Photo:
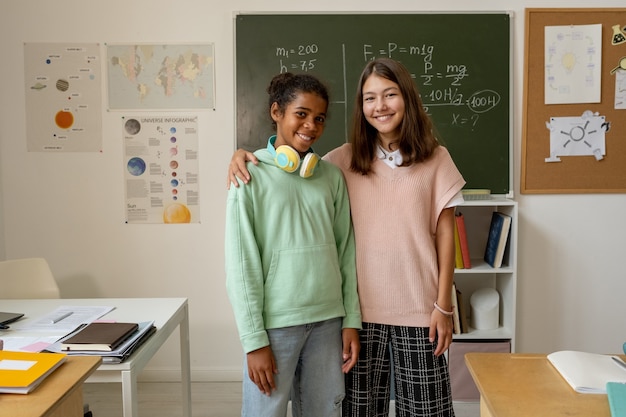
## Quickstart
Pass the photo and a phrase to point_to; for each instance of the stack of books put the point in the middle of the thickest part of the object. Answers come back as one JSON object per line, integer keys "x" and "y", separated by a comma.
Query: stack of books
{"x": 495, "y": 248}
{"x": 112, "y": 341}
{"x": 99, "y": 336}
{"x": 22, "y": 372}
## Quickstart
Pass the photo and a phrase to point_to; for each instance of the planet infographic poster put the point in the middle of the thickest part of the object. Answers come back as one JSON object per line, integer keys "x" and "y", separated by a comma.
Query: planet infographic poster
{"x": 63, "y": 85}
{"x": 161, "y": 169}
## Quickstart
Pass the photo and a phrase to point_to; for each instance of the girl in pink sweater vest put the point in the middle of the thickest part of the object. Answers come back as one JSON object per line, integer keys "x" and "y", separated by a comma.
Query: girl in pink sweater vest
{"x": 403, "y": 186}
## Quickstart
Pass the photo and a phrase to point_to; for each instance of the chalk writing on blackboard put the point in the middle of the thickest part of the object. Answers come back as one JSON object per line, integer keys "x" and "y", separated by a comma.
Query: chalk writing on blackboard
{"x": 440, "y": 84}
{"x": 462, "y": 73}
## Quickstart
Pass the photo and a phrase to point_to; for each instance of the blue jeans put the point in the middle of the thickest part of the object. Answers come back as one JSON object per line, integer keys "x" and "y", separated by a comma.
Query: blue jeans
{"x": 309, "y": 362}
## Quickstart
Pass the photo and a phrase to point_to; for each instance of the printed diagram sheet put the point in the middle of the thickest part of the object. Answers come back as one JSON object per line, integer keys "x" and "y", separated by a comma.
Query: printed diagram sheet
{"x": 620, "y": 84}
{"x": 577, "y": 136}
{"x": 63, "y": 97}
{"x": 573, "y": 61}
{"x": 161, "y": 169}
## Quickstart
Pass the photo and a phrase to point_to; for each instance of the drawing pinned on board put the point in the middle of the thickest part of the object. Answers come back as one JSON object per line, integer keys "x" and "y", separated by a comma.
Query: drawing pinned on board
{"x": 621, "y": 64}
{"x": 618, "y": 36}
{"x": 573, "y": 63}
{"x": 577, "y": 136}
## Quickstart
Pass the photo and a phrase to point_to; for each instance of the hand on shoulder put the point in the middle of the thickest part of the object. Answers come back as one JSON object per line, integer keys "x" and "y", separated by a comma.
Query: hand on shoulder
{"x": 237, "y": 167}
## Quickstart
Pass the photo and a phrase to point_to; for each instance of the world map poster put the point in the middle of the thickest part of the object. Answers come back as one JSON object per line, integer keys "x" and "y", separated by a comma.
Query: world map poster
{"x": 160, "y": 77}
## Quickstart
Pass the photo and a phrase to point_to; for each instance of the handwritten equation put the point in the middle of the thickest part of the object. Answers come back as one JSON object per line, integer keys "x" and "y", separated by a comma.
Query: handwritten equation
{"x": 440, "y": 84}
{"x": 463, "y": 75}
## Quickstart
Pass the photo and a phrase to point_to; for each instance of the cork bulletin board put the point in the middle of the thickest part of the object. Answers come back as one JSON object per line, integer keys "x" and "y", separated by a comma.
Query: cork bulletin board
{"x": 574, "y": 147}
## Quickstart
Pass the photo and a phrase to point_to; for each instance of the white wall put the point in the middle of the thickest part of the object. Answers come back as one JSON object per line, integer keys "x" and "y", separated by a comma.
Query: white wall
{"x": 68, "y": 207}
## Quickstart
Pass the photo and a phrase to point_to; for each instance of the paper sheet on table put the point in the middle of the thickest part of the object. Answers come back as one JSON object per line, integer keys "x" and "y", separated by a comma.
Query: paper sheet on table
{"x": 64, "y": 319}
{"x": 28, "y": 344}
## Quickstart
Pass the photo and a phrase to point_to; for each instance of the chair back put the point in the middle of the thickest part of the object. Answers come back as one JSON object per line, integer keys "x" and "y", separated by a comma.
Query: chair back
{"x": 27, "y": 278}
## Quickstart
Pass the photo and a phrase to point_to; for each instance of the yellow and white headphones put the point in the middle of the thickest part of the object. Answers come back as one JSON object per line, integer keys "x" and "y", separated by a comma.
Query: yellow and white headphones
{"x": 288, "y": 159}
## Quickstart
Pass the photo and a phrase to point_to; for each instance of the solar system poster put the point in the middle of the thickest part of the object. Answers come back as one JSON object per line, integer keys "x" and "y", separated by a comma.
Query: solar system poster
{"x": 161, "y": 169}
{"x": 63, "y": 97}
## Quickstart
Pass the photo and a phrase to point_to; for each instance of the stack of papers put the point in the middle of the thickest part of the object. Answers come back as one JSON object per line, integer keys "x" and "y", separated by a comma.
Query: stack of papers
{"x": 588, "y": 372}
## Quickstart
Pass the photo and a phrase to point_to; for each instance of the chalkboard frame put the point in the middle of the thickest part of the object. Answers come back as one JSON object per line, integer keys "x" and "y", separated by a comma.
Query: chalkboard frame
{"x": 496, "y": 168}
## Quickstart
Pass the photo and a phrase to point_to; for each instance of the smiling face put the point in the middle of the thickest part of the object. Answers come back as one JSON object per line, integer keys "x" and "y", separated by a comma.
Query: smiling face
{"x": 383, "y": 107}
{"x": 301, "y": 123}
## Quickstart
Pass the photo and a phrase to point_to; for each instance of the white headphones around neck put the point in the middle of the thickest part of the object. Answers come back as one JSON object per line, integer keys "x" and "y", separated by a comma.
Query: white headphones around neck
{"x": 288, "y": 159}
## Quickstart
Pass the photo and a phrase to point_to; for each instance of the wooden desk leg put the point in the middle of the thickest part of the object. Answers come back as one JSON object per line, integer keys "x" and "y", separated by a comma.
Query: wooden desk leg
{"x": 72, "y": 405}
{"x": 185, "y": 363}
{"x": 129, "y": 394}
{"x": 484, "y": 411}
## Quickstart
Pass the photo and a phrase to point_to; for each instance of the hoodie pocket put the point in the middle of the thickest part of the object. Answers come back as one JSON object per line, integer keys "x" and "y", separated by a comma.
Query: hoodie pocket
{"x": 303, "y": 277}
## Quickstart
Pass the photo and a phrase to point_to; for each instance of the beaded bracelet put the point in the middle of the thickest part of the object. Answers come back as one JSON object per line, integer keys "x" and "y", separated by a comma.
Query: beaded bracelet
{"x": 442, "y": 311}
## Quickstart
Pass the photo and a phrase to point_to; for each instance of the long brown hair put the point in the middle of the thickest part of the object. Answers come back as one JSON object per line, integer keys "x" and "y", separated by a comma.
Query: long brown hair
{"x": 417, "y": 139}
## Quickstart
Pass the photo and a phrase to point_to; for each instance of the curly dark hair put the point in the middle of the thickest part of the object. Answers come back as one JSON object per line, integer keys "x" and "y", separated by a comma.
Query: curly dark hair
{"x": 284, "y": 88}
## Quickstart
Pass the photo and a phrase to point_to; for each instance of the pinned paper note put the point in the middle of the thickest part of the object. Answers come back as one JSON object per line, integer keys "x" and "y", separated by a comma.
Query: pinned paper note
{"x": 620, "y": 83}
{"x": 577, "y": 136}
{"x": 573, "y": 60}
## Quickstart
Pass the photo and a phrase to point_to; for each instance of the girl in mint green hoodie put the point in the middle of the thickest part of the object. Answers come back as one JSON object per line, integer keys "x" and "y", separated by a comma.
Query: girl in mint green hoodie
{"x": 290, "y": 264}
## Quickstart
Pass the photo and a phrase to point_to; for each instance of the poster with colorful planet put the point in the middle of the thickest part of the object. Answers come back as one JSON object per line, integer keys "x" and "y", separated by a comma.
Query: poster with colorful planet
{"x": 161, "y": 169}
{"x": 63, "y": 97}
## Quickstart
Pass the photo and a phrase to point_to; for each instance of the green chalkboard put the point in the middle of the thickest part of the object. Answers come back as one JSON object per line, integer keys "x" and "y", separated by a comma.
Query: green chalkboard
{"x": 460, "y": 63}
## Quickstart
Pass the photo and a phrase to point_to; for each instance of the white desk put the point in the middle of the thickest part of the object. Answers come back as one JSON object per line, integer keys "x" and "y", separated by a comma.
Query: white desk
{"x": 167, "y": 313}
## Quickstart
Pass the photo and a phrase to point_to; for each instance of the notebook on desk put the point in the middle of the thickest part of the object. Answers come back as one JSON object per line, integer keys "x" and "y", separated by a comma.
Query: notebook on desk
{"x": 99, "y": 336}
{"x": 588, "y": 372}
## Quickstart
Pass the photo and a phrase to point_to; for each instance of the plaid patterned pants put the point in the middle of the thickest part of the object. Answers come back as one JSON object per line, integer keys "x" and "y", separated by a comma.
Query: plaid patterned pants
{"x": 421, "y": 380}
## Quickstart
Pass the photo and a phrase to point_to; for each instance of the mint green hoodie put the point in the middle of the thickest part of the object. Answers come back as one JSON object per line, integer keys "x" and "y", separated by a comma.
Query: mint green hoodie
{"x": 290, "y": 256}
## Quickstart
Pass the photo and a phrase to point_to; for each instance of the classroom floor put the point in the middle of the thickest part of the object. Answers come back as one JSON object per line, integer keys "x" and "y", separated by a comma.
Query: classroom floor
{"x": 209, "y": 399}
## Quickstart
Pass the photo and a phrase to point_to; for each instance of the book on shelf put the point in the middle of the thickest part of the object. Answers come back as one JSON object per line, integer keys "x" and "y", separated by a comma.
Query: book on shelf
{"x": 460, "y": 225}
{"x": 616, "y": 393}
{"x": 586, "y": 372}
{"x": 99, "y": 336}
{"x": 21, "y": 372}
{"x": 497, "y": 239}
{"x": 462, "y": 311}
{"x": 458, "y": 257}
{"x": 456, "y": 320}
